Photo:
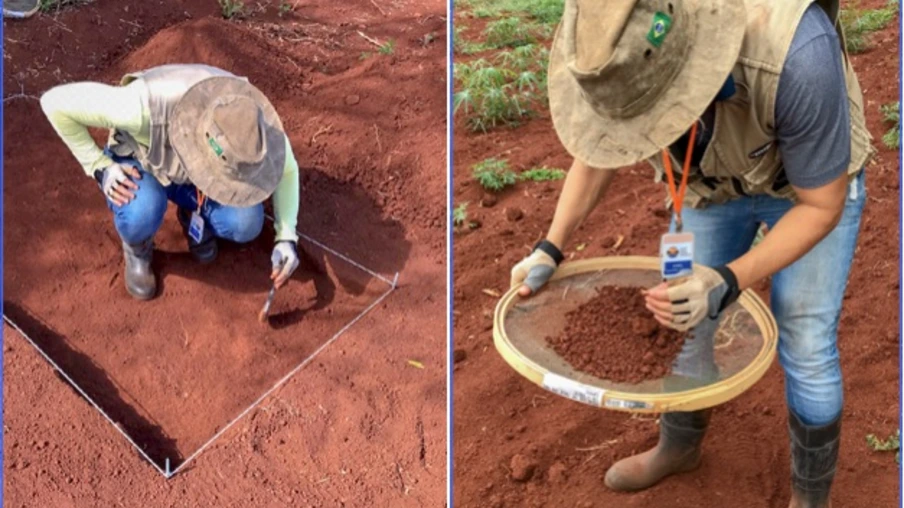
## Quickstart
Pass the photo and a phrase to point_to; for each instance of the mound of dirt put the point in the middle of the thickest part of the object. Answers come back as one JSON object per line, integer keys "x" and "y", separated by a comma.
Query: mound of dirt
{"x": 613, "y": 336}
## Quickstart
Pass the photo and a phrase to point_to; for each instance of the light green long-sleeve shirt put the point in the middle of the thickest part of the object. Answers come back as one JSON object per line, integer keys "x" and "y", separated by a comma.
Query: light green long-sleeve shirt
{"x": 74, "y": 107}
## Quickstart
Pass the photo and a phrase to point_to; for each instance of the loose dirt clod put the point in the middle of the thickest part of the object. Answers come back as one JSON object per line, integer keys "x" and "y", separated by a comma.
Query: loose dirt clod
{"x": 513, "y": 214}
{"x": 459, "y": 355}
{"x": 613, "y": 336}
{"x": 523, "y": 468}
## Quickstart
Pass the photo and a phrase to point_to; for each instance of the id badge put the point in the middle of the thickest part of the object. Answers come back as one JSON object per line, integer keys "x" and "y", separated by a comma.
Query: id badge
{"x": 677, "y": 254}
{"x": 196, "y": 227}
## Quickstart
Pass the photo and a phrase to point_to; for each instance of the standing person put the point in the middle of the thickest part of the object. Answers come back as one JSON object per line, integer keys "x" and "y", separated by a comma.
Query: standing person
{"x": 758, "y": 100}
{"x": 198, "y": 136}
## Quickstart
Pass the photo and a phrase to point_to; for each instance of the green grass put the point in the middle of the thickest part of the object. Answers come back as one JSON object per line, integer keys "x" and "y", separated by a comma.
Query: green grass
{"x": 285, "y": 8}
{"x": 502, "y": 92}
{"x": 509, "y": 32}
{"x": 460, "y": 215}
{"x": 52, "y": 5}
{"x": 541, "y": 174}
{"x": 231, "y": 8}
{"x": 387, "y": 48}
{"x": 860, "y": 23}
{"x": 543, "y": 11}
{"x": 891, "y": 113}
{"x": 494, "y": 175}
{"x": 892, "y": 444}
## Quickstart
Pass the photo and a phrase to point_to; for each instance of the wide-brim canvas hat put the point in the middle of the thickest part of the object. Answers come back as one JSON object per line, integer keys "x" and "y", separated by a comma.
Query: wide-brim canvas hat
{"x": 628, "y": 77}
{"x": 20, "y": 8}
{"x": 230, "y": 140}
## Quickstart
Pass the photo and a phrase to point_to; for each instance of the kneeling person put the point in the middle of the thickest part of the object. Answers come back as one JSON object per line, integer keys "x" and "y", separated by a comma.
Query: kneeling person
{"x": 198, "y": 136}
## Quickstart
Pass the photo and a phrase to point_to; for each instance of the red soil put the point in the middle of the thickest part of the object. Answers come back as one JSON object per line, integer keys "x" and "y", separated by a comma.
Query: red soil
{"x": 500, "y": 415}
{"x": 358, "y": 425}
{"x": 614, "y": 337}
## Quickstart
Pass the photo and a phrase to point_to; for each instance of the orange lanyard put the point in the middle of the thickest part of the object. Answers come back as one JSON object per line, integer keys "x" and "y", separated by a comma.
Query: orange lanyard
{"x": 200, "y": 199}
{"x": 678, "y": 194}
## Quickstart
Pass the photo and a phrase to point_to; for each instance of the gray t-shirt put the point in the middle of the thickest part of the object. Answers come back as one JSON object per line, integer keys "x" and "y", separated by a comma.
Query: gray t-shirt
{"x": 812, "y": 113}
{"x": 812, "y": 116}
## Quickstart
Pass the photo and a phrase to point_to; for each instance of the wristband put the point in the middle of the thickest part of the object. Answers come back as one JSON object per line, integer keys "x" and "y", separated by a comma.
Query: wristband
{"x": 732, "y": 282}
{"x": 550, "y": 249}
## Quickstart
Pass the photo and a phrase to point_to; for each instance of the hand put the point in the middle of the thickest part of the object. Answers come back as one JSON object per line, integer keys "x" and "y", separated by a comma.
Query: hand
{"x": 705, "y": 294}
{"x": 117, "y": 183}
{"x": 533, "y": 272}
{"x": 284, "y": 260}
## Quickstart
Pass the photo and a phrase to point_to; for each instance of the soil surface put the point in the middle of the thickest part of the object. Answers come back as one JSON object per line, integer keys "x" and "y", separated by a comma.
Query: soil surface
{"x": 358, "y": 425}
{"x": 614, "y": 337}
{"x": 500, "y": 415}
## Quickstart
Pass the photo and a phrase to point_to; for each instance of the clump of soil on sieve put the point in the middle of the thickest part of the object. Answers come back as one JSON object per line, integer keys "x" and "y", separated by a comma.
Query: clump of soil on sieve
{"x": 614, "y": 337}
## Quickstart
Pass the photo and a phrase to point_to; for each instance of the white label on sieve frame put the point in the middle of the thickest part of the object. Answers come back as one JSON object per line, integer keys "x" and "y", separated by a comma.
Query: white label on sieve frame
{"x": 573, "y": 390}
{"x": 627, "y": 404}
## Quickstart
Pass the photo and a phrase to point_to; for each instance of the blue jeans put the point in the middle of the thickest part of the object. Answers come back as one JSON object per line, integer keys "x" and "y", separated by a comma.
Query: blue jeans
{"x": 806, "y": 296}
{"x": 140, "y": 219}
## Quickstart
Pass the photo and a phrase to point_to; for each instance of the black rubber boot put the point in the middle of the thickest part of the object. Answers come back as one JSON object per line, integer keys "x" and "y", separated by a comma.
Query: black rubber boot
{"x": 814, "y": 453}
{"x": 678, "y": 451}
{"x": 139, "y": 277}
{"x": 204, "y": 251}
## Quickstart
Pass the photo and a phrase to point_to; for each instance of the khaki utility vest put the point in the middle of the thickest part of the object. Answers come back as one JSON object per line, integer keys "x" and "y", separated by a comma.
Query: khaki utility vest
{"x": 743, "y": 156}
{"x": 166, "y": 85}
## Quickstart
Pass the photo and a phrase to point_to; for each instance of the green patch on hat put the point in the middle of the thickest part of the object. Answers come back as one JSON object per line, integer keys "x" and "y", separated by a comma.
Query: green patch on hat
{"x": 661, "y": 24}
{"x": 217, "y": 149}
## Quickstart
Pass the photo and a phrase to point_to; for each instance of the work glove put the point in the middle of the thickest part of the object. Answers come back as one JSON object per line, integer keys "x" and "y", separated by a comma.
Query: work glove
{"x": 705, "y": 294}
{"x": 284, "y": 260}
{"x": 535, "y": 270}
{"x": 117, "y": 182}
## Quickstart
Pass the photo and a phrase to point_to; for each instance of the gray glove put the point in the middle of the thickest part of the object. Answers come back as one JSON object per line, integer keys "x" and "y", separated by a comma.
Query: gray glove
{"x": 535, "y": 270}
{"x": 117, "y": 182}
{"x": 284, "y": 260}
{"x": 705, "y": 294}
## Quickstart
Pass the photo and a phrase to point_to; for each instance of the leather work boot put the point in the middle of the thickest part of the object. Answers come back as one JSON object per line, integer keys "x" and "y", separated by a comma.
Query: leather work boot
{"x": 814, "y": 452}
{"x": 204, "y": 251}
{"x": 139, "y": 277}
{"x": 678, "y": 451}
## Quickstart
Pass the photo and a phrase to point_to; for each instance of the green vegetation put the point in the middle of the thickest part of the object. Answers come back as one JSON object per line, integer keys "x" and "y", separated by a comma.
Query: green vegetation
{"x": 232, "y": 8}
{"x": 285, "y": 8}
{"x": 51, "y": 5}
{"x": 541, "y": 174}
{"x": 460, "y": 215}
{"x": 543, "y": 11}
{"x": 509, "y": 32}
{"x": 387, "y": 48}
{"x": 494, "y": 175}
{"x": 891, "y": 113}
{"x": 493, "y": 95}
{"x": 858, "y": 24}
{"x": 892, "y": 444}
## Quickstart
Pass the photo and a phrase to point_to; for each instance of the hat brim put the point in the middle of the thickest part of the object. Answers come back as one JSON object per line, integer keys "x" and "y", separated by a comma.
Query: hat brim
{"x": 602, "y": 141}
{"x": 200, "y": 163}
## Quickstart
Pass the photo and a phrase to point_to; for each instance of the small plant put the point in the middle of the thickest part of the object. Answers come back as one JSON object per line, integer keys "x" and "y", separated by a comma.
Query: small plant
{"x": 494, "y": 175}
{"x": 364, "y": 55}
{"x": 387, "y": 48}
{"x": 891, "y": 113}
{"x": 892, "y": 444}
{"x": 232, "y": 8}
{"x": 858, "y": 24}
{"x": 460, "y": 215}
{"x": 493, "y": 95}
{"x": 541, "y": 174}
{"x": 50, "y": 5}
{"x": 509, "y": 32}
{"x": 285, "y": 8}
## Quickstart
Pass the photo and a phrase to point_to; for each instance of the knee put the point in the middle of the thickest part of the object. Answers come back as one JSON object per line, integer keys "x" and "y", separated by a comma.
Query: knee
{"x": 244, "y": 224}
{"x": 140, "y": 218}
{"x": 810, "y": 358}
